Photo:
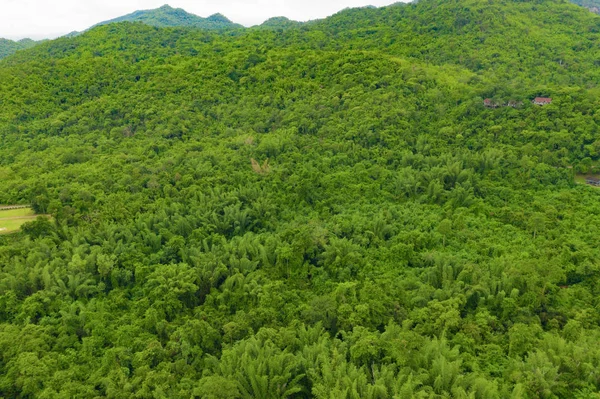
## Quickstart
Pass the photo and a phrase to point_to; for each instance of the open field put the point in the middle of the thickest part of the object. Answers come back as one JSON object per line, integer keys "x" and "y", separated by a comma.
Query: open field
{"x": 12, "y": 220}
{"x": 16, "y": 213}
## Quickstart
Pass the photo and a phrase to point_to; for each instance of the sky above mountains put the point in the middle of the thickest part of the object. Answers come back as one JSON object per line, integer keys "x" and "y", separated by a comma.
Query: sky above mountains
{"x": 40, "y": 19}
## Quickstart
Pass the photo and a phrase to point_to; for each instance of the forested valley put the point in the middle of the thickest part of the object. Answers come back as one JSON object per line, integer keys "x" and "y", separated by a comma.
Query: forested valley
{"x": 322, "y": 210}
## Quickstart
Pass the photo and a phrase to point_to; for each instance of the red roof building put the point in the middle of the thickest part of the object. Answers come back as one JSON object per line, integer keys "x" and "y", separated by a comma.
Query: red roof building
{"x": 542, "y": 101}
{"x": 488, "y": 102}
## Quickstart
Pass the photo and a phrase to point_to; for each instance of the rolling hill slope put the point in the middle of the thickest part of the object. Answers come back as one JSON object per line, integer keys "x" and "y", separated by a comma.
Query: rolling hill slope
{"x": 561, "y": 39}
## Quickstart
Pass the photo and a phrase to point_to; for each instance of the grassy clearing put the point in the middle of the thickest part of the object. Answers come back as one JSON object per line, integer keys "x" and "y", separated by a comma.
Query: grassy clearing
{"x": 12, "y": 220}
{"x": 16, "y": 213}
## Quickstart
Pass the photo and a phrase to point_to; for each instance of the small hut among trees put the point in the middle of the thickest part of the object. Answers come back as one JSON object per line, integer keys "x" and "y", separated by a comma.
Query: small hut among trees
{"x": 542, "y": 100}
{"x": 592, "y": 181}
{"x": 489, "y": 103}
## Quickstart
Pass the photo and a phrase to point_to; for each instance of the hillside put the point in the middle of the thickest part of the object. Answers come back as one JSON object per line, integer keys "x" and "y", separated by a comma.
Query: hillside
{"x": 561, "y": 46}
{"x": 167, "y": 16}
{"x": 8, "y": 47}
{"x": 326, "y": 210}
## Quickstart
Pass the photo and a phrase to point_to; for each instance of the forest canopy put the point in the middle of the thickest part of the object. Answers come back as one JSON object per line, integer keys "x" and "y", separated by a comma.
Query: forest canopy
{"x": 324, "y": 210}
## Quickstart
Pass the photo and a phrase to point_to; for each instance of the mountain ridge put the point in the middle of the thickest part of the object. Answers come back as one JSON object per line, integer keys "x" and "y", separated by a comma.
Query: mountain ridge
{"x": 164, "y": 16}
{"x": 167, "y": 16}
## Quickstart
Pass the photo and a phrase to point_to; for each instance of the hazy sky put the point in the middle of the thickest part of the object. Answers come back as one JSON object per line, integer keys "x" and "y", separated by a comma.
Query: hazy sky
{"x": 48, "y": 19}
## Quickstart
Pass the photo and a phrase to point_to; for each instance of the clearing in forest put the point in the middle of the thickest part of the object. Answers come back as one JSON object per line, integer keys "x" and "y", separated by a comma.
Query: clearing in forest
{"x": 11, "y": 220}
{"x": 589, "y": 179}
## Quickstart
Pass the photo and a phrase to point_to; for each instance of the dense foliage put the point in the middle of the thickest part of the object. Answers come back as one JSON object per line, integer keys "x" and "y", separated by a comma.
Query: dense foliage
{"x": 326, "y": 210}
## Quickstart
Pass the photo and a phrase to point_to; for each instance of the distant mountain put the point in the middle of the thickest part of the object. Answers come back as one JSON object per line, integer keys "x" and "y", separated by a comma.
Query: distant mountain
{"x": 279, "y": 22}
{"x": 592, "y": 5}
{"x": 8, "y": 47}
{"x": 167, "y": 16}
